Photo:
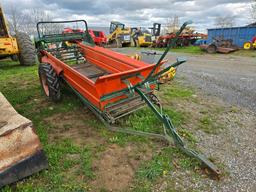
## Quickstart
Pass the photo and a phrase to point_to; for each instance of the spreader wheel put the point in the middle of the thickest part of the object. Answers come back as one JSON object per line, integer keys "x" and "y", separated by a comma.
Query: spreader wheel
{"x": 247, "y": 45}
{"x": 49, "y": 81}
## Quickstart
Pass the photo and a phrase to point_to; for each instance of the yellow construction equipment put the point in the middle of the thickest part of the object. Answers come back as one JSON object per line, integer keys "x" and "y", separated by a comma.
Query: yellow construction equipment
{"x": 119, "y": 35}
{"x": 19, "y": 47}
{"x": 141, "y": 37}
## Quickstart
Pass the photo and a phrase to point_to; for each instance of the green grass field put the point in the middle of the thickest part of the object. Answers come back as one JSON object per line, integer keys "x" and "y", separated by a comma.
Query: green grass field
{"x": 196, "y": 50}
{"x": 75, "y": 141}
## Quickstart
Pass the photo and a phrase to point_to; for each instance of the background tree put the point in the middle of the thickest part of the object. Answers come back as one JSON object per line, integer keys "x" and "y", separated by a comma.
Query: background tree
{"x": 253, "y": 10}
{"x": 26, "y": 20}
{"x": 15, "y": 19}
{"x": 224, "y": 21}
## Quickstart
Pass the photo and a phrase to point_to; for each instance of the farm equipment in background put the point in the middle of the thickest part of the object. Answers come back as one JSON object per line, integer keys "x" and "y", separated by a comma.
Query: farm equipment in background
{"x": 120, "y": 36}
{"x": 110, "y": 84}
{"x": 19, "y": 47}
{"x": 141, "y": 37}
{"x": 220, "y": 45}
{"x": 98, "y": 37}
{"x": 21, "y": 153}
{"x": 250, "y": 44}
{"x": 155, "y": 30}
{"x": 184, "y": 39}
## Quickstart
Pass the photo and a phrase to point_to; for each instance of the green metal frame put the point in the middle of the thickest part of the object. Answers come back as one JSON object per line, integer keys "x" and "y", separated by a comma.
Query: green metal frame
{"x": 43, "y": 40}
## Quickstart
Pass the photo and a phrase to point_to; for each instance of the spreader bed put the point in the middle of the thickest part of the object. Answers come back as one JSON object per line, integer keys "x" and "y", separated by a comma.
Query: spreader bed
{"x": 90, "y": 71}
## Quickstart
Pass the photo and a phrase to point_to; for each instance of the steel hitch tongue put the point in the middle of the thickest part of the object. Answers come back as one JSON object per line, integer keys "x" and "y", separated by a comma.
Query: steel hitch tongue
{"x": 171, "y": 135}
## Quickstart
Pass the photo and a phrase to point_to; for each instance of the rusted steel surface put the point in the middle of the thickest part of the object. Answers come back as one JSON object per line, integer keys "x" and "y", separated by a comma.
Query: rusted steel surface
{"x": 18, "y": 143}
{"x": 90, "y": 71}
{"x": 203, "y": 46}
{"x": 9, "y": 118}
{"x": 225, "y": 50}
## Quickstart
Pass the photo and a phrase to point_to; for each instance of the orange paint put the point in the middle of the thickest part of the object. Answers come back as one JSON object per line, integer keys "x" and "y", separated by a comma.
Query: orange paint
{"x": 118, "y": 65}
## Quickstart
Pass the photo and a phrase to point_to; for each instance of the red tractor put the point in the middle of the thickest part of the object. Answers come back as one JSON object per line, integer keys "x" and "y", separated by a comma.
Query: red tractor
{"x": 98, "y": 37}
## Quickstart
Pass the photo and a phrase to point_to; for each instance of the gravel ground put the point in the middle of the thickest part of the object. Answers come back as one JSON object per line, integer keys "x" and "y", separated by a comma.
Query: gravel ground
{"x": 230, "y": 78}
{"x": 223, "y": 80}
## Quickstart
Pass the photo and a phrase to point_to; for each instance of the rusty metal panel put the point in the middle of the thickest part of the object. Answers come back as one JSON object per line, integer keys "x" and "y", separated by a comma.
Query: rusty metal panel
{"x": 225, "y": 50}
{"x": 19, "y": 144}
{"x": 9, "y": 118}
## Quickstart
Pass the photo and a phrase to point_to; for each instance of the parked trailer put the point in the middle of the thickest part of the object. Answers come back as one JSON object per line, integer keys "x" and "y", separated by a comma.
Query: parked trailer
{"x": 184, "y": 39}
{"x": 238, "y": 35}
{"x": 110, "y": 84}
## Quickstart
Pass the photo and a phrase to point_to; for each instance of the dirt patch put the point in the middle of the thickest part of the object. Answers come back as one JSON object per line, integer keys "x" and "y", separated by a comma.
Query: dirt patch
{"x": 75, "y": 125}
{"x": 116, "y": 166}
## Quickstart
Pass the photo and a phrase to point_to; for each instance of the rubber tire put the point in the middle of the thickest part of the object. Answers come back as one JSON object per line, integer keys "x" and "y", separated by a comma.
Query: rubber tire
{"x": 27, "y": 52}
{"x": 52, "y": 80}
{"x": 211, "y": 49}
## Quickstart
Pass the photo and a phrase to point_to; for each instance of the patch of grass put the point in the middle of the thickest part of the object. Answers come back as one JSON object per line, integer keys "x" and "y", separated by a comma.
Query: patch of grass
{"x": 57, "y": 177}
{"x": 188, "y": 135}
{"x": 189, "y": 49}
{"x": 86, "y": 167}
{"x": 245, "y": 53}
{"x": 143, "y": 120}
{"x": 175, "y": 90}
{"x": 21, "y": 87}
{"x": 162, "y": 164}
{"x": 209, "y": 125}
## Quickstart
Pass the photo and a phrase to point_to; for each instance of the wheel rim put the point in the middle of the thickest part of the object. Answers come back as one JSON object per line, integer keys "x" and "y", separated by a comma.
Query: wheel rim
{"x": 247, "y": 46}
{"x": 44, "y": 84}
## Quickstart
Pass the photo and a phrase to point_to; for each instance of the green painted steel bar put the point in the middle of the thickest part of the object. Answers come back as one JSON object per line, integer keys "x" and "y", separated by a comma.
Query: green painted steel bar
{"x": 156, "y": 76}
{"x": 176, "y": 138}
{"x": 170, "y": 44}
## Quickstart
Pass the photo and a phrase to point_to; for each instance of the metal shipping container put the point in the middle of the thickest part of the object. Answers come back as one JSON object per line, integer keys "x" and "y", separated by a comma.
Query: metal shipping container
{"x": 239, "y": 35}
